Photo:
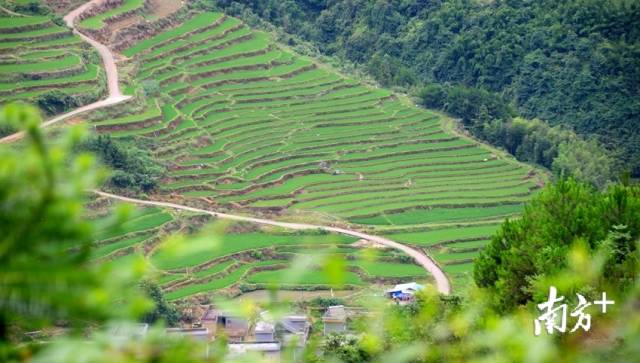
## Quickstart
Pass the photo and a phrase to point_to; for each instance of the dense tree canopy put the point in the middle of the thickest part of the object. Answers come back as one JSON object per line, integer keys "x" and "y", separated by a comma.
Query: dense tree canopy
{"x": 526, "y": 250}
{"x": 574, "y": 63}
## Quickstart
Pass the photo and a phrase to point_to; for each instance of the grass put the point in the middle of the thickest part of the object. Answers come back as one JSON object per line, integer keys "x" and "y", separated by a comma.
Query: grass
{"x": 219, "y": 283}
{"x": 98, "y": 21}
{"x": 66, "y": 62}
{"x": 38, "y": 33}
{"x": 214, "y": 269}
{"x": 390, "y": 269}
{"x": 90, "y": 75}
{"x": 459, "y": 256}
{"x": 106, "y": 249}
{"x": 282, "y": 277}
{"x": 458, "y": 268}
{"x": 165, "y": 279}
{"x": 83, "y": 89}
{"x": 18, "y": 22}
{"x": 206, "y": 249}
{"x": 432, "y": 237}
{"x": 198, "y": 21}
{"x": 420, "y": 216}
{"x": 468, "y": 244}
{"x": 148, "y": 219}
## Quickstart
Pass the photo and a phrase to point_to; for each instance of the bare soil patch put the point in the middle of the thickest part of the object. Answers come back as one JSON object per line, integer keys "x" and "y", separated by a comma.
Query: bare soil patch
{"x": 367, "y": 244}
{"x": 63, "y": 6}
{"x": 124, "y": 23}
{"x": 163, "y": 8}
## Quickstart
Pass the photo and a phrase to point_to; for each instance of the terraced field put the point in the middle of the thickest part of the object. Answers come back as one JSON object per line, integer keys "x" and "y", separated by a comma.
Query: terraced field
{"x": 38, "y": 56}
{"x": 243, "y": 258}
{"x": 245, "y": 124}
{"x": 98, "y": 21}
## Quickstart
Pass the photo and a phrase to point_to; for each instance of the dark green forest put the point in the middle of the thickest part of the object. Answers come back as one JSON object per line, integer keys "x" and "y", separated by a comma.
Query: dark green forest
{"x": 525, "y": 252}
{"x": 572, "y": 63}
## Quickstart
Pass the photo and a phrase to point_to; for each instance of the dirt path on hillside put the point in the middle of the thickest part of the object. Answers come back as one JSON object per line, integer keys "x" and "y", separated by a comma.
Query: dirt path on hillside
{"x": 107, "y": 57}
{"x": 442, "y": 283}
{"x": 114, "y": 94}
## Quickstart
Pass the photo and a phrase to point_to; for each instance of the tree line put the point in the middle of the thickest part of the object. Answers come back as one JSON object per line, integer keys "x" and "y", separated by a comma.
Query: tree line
{"x": 487, "y": 117}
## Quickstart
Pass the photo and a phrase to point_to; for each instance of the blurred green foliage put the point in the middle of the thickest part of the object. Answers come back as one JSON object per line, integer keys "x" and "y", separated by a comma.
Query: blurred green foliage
{"x": 45, "y": 273}
{"x": 48, "y": 284}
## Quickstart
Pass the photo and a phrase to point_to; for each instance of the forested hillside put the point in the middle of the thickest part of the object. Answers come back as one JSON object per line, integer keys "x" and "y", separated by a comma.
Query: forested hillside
{"x": 574, "y": 63}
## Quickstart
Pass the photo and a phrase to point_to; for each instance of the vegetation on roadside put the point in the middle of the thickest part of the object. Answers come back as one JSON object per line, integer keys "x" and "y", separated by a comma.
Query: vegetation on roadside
{"x": 29, "y": 7}
{"x": 163, "y": 311}
{"x": 133, "y": 168}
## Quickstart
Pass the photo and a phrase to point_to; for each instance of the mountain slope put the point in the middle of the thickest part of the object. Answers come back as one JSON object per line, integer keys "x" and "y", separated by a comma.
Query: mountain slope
{"x": 244, "y": 124}
{"x": 572, "y": 63}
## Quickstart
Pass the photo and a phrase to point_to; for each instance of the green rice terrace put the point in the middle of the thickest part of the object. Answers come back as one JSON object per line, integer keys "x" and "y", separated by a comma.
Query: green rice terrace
{"x": 242, "y": 259}
{"x": 38, "y": 55}
{"x": 247, "y": 126}
{"x": 244, "y": 124}
{"x": 98, "y": 21}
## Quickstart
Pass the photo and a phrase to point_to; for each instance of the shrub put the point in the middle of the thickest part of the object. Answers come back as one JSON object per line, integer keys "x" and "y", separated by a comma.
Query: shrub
{"x": 55, "y": 102}
{"x": 133, "y": 167}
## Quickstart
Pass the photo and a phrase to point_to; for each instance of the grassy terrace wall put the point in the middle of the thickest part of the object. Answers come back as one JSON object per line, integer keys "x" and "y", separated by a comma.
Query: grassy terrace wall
{"x": 246, "y": 125}
{"x": 97, "y": 21}
{"x": 244, "y": 257}
{"x": 38, "y": 56}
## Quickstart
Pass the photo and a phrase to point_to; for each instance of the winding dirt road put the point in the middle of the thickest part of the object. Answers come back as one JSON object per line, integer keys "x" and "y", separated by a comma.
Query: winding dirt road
{"x": 115, "y": 97}
{"x": 442, "y": 282}
{"x": 114, "y": 94}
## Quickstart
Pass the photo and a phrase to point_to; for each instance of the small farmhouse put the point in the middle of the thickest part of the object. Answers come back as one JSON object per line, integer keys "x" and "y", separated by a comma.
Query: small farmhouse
{"x": 404, "y": 292}
{"x": 335, "y": 320}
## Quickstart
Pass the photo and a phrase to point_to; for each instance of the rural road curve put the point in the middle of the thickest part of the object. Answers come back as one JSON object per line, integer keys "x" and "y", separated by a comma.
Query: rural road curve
{"x": 114, "y": 94}
{"x": 442, "y": 282}
{"x": 115, "y": 97}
